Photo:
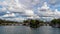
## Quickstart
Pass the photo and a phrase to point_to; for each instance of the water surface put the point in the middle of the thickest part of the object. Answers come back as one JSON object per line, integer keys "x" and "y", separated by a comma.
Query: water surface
{"x": 28, "y": 30}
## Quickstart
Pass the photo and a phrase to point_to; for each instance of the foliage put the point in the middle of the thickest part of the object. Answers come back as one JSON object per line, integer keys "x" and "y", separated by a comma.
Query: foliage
{"x": 6, "y": 21}
{"x": 55, "y": 21}
{"x": 33, "y": 23}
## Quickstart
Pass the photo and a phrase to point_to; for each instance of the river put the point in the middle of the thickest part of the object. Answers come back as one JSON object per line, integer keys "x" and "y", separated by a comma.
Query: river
{"x": 28, "y": 30}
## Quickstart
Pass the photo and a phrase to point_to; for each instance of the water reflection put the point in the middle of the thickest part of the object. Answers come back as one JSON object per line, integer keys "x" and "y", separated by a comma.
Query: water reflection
{"x": 28, "y": 30}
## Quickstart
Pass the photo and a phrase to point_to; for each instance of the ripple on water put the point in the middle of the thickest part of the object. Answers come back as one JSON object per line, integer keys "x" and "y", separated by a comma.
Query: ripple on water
{"x": 28, "y": 30}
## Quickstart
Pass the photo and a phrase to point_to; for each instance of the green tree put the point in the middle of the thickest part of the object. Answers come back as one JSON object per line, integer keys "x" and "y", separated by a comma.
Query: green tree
{"x": 35, "y": 23}
{"x": 55, "y": 21}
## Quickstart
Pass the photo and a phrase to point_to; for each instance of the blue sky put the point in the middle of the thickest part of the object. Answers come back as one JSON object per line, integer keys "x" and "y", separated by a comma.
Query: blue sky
{"x": 29, "y": 9}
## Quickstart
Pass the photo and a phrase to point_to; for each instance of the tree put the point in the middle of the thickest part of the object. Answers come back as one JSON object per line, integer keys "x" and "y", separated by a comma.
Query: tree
{"x": 35, "y": 23}
{"x": 55, "y": 21}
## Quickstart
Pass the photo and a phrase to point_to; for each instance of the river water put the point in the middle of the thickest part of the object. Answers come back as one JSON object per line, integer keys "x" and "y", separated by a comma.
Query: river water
{"x": 28, "y": 30}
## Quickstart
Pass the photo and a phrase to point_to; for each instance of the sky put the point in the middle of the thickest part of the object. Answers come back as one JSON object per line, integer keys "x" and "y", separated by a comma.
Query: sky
{"x": 18, "y": 10}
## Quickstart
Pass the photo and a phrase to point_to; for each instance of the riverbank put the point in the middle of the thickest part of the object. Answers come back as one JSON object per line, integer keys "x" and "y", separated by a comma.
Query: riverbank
{"x": 11, "y": 24}
{"x": 30, "y": 22}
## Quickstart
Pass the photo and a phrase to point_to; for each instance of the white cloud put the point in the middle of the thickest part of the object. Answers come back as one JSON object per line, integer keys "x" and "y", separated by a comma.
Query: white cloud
{"x": 15, "y": 19}
{"x": 3, "y": 9}
{"x": 4, "y": 3}
{"x": 47, "y": 13}
{"x": 29, "y": 12}
{"x": 9, "y": 15}
{"x": 26, "y": 8}
{"x": 54, "y": 3}
{"x": 57, "y": 13}
{"x": 29, "y": 3}
{"x": 45, "y": 6}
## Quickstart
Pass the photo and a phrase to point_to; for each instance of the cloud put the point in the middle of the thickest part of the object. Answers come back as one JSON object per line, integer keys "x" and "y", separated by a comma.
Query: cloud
{"x": 57, "y": 13}
{"x": 29, "y": 12}
{"x": 45, "y": 13}
{"x": 54, "y": 3}
{"x": 9, "y": 15}
{"x": 29, "y": 4}
{"x": 4, "y": 3}
{"x": 15, "y": 19}
{"x": 26, "y": 9}
{"x": 3, "y": 9}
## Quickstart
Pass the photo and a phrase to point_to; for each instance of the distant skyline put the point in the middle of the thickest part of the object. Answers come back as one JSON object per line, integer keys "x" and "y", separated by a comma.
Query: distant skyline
{"x": 30, "y": 9}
